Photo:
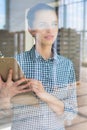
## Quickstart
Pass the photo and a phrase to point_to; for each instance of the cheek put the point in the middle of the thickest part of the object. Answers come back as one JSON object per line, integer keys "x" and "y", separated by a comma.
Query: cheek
{"x": 40, "y": 34}
{"x": 55, "y": 30}
{"x": 56, "y": 33}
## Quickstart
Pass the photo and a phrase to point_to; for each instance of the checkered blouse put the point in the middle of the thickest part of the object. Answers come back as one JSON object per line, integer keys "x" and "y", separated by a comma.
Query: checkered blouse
{"x": 58, "y": 78}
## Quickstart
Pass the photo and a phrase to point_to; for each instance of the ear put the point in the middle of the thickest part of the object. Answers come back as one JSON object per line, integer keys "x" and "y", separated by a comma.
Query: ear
{"x": 32, "y": 31}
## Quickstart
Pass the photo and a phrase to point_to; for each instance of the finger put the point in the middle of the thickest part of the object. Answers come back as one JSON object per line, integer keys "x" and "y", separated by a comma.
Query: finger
{"x": 25, "y": 90}
{"x": 34, "y": 80}
{"x": 33, "y": 85}
{"x": 21, "y": 81}
{"x": 34, "y": 89}
{"x": 36, "y": 84}
{"x": 26, "y": 86}
{"x": 10, "y": 75}
{"x": 37, "y": 87}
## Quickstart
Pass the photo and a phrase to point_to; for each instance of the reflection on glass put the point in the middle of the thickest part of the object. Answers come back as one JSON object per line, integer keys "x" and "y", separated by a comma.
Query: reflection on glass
{"x": 75, "y": 16}
{"x": 86, "y": 15}
{"x": 71, "y": 1}
{"x": 2, "y": 14}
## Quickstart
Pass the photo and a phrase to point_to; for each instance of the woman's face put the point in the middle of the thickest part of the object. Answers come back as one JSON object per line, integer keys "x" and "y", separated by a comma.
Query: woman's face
{"x": 46, "y": 27}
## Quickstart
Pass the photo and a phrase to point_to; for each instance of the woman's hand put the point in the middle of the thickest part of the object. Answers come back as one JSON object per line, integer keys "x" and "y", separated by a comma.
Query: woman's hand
{"x": 54, "y": 103}
{"x": 37, "y": 87}
{"x": 10, "y": 88}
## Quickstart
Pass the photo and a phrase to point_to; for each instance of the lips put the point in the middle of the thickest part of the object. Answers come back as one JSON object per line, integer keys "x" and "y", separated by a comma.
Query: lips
{"x": 49, "y": 37}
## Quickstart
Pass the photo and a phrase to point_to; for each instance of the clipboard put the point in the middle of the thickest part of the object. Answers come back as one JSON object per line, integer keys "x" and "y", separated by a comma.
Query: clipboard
{"x": 7, "y": 63}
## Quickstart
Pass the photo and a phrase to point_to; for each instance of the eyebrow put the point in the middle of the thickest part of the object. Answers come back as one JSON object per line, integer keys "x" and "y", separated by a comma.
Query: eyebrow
{"x": 46, "y": 22}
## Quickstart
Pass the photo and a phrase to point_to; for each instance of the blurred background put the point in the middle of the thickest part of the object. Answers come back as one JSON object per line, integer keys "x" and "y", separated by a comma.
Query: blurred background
{"x": 71, "y": 42}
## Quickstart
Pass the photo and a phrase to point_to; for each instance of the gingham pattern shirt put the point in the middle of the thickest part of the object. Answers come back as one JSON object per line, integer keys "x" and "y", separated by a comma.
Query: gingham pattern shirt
{"x": 58, "y": 78}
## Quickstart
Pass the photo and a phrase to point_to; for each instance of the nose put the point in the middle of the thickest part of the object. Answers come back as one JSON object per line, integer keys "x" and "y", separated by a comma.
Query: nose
{"x": 49, "y": 28}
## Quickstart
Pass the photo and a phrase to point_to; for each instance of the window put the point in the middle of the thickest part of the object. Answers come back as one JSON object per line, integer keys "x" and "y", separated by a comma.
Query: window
{"x": 73, "y": 15}
{"x": 61, "y": 15}
{"x": 74, "y": 18}
{"x": 86, "y": 15}
{"x": 71, "y": 1}
{"x": 2, "y": 14}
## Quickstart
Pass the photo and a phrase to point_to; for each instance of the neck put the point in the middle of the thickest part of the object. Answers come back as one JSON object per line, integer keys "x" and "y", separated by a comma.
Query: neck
{"x": 44, "y": 51}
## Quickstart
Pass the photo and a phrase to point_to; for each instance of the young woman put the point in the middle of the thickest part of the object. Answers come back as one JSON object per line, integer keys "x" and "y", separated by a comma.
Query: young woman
{"x": 50, "y": 76}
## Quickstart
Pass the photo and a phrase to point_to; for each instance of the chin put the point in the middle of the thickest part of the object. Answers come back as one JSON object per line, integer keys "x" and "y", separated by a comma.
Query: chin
{"x": 48, "y": 43}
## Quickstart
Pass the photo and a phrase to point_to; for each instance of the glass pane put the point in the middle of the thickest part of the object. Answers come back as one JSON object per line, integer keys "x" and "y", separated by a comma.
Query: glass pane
{"x": 61, "y": 15}
{"x": 86, "y": 15}
{"x": 71, "y": 1}
{"x": 74, "y": 16}
{"x": 2, "y": 14}
{"x": 85, "y": 48}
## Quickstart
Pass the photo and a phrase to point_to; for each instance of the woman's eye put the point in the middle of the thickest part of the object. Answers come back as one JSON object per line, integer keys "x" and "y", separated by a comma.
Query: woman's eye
{"x": 42, "y": 25}
{"x": 46, "y": 26}
{"x": 54, "y": 25}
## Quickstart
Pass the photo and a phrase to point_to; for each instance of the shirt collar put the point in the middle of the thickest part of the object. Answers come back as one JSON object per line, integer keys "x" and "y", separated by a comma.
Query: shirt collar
{"x": 36, "y": 55}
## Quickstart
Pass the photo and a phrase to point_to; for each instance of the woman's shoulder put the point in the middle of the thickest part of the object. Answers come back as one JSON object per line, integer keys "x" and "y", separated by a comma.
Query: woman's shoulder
{"x": 64, "y": 60}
